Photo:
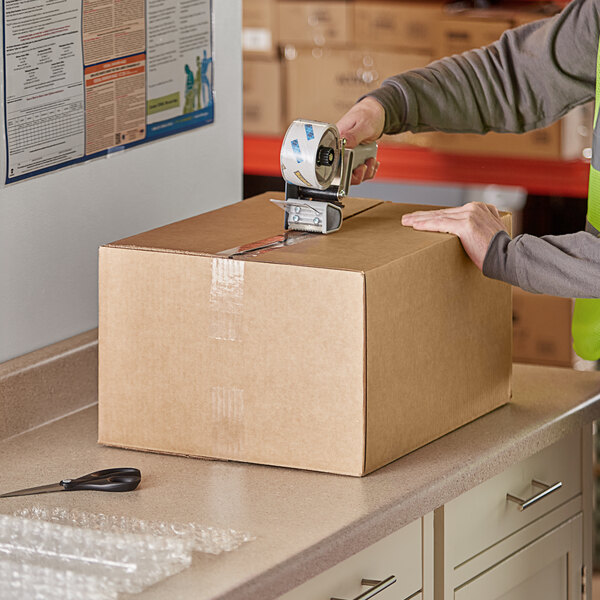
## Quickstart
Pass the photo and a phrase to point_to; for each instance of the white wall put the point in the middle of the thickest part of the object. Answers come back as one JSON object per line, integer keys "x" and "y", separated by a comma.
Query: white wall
{"x": 51, "y": 226}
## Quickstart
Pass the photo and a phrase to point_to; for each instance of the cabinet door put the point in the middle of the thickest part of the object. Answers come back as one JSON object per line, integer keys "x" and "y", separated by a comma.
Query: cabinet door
{"x": 548, "y": 569}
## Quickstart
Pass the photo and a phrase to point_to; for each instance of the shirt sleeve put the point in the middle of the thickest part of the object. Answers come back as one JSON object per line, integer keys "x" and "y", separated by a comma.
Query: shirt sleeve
{"x": 529, "y": 78}
{"x": 560, "y": 265}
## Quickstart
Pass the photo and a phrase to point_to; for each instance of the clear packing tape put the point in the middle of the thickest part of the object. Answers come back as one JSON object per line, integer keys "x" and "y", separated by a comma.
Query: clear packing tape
{"x": 56, "y": 553}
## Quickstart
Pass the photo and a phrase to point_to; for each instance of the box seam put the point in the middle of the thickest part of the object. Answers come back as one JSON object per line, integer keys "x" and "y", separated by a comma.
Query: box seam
{"x": 212, "y": 254}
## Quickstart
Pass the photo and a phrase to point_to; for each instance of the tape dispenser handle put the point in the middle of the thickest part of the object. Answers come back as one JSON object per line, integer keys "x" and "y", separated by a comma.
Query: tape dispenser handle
{"x": 362, "y": 153}
{"x": 354, "y": 157}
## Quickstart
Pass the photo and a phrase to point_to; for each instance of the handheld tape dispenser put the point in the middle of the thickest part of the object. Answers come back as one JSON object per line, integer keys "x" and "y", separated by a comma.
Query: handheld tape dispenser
{"x": 317, "y": 169}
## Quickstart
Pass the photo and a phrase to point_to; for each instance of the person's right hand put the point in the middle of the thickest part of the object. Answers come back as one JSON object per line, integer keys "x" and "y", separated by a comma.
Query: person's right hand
{"x": 363, "y": 123}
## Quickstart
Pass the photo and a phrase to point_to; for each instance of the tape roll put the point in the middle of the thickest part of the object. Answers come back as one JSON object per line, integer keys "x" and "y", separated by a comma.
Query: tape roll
{"x": 310, "y": 154}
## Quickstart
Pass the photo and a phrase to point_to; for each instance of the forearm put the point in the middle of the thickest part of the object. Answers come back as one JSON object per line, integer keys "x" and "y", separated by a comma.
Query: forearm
{"x": 564, "y": 265}
{"x": 529, "y": 78}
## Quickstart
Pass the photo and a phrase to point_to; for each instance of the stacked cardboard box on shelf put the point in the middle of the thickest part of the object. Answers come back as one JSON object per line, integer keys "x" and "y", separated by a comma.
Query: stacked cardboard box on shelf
{"x": 341, "y": 76}
{"x": 316, "y": 23}
{"x": 327, "y": 56}
{"x": 263, "y": 96}
{"x": 259, "y": 28}
{"x": 465, "y": 30}
{"x": 314, "y": 59}
{"x": 263, "y": 82}
{"x": 542, "y": 329}
{"x": 406, "y": 26}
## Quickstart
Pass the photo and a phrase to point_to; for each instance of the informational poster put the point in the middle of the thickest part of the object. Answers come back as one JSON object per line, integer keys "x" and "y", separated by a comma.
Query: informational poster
{"x": 83, "y": 78}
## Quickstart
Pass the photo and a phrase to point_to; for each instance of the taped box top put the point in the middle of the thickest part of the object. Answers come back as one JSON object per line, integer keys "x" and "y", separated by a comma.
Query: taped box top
{"x": 337, "y": 353}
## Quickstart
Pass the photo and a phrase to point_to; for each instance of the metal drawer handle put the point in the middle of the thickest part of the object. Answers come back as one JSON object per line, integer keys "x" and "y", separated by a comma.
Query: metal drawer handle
{"x": 376, "y": 587}
{"x": 546, "y": 491}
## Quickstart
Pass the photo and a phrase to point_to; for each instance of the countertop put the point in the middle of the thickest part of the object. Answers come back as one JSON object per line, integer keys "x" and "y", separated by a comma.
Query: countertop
{"x": 304, "y": 522}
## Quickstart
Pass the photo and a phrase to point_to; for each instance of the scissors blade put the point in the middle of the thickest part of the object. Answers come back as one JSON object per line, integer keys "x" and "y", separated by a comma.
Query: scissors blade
{"x": 42, "y": 489}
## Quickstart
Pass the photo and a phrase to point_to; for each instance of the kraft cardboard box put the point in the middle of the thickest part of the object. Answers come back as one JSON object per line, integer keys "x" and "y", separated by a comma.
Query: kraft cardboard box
{"x": 260, "y": 21}
{"x": 542, "y": 329}
{"x": 341, "y": 77}
{"x": 469, "y": 29}
{"x": 408, "y": 26}
{"x": 540, "y": 143}
{"x": 570, "y": 138}
{"x": 316, "y": 22}
{"x": 336, "y": 353}
{"x": 458, "y": 35}
{"x": 263, "y": 96}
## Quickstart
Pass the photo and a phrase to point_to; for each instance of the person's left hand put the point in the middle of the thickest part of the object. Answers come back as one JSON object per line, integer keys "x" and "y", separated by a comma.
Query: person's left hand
{"x": 475, "y": 224}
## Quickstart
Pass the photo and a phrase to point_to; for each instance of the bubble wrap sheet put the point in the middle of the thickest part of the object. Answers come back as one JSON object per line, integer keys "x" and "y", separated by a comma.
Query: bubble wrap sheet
{"x": 60, "y": 554}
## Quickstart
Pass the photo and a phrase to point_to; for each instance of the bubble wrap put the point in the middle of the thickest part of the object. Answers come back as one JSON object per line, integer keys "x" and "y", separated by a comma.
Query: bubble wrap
{"x": 196, "y": 536}
{"x": 54, "y": 553}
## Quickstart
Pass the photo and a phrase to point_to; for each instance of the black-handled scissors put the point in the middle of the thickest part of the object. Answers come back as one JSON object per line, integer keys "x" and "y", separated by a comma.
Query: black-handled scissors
{"x": 125, "y": 479}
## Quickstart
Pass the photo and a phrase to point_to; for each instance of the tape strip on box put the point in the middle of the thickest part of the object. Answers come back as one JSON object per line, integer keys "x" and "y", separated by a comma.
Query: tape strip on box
{"x": 227, "y": 408}
{"x": 226, "y": 299}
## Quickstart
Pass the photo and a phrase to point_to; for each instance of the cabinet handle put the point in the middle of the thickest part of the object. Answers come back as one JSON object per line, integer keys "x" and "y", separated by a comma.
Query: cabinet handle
{"x": 546, "y": 491}
{"x": 376, "y": 587}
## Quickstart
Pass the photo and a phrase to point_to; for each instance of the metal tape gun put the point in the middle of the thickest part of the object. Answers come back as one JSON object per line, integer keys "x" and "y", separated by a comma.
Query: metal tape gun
{"x": 317, "y": 169}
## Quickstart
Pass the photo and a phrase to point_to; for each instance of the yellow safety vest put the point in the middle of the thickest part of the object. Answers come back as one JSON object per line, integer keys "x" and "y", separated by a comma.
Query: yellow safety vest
{"x": 586, "y": 316}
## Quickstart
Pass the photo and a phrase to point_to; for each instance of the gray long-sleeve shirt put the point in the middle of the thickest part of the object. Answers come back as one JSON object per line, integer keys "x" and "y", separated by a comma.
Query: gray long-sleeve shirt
{"x": 529, "y": 78}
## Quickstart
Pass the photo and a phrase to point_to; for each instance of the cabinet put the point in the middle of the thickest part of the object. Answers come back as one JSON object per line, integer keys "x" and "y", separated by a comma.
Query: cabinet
{"x": 407, "y": 555}
{"x": 483, "y": 545}
{"x": 490, "y": 546}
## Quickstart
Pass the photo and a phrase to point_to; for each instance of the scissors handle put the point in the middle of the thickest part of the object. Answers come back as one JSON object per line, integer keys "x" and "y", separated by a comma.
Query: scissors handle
{"x": 125, "y": 479}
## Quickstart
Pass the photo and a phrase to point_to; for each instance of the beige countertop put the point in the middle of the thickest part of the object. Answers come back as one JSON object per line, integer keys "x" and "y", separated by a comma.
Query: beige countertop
{"x": 304, "y": 522}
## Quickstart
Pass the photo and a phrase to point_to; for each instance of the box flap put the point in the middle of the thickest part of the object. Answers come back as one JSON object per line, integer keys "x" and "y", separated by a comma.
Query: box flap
{"x": 369, "y": 240}
{"x": 235, "y": 225}
{"x": 372, "y": 235}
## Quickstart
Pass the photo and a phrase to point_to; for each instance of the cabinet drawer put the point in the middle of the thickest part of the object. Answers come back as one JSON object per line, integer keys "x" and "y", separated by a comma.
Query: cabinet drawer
{"x": 399, "y": 554}
{"x": 483, "y": 516}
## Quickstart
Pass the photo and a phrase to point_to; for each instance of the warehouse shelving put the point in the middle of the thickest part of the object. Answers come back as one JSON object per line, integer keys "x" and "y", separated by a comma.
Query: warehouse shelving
{"x": 422, "y": 165}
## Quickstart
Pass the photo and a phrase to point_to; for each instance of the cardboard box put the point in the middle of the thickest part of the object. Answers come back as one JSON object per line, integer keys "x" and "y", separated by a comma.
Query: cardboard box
{"x": 407, "y": 26}
{"x": 566, "y": 139}
{"x": 338, "y": 353}
{"x": 570, "y": 138}
{"x": 319, "y": 23}
{"x": 263, "y": 97}
{"x": 324, "y": 83}
{"x": 541, "y": 143}
{"x": 458, "y": 35}
{"x": 467, "y": 29}
{"x": 260, "y": 21}
{"x": 542, "y": 329}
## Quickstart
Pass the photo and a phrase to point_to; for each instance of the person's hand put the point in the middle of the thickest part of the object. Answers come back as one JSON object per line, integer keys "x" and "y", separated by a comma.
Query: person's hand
{"x": 474, "y": 223}
{"x": 363, "y": 123}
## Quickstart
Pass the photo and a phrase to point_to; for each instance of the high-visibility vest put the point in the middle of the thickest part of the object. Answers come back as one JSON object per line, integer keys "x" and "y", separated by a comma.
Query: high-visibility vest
{"x": 586, "y": 316}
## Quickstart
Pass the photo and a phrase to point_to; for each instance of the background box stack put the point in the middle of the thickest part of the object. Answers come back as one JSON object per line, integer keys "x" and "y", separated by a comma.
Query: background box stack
{"x": 468, "y": 29}
{"x": 332, "y": 53}
{"x": 263, "y": 81}
{"x": 314, "y": 59}
{"x": 542, "y": 329}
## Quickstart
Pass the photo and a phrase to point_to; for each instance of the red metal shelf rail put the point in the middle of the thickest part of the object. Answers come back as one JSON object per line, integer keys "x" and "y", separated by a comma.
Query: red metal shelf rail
{"x": 420, "y": 165}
